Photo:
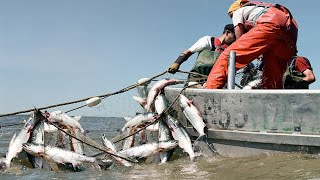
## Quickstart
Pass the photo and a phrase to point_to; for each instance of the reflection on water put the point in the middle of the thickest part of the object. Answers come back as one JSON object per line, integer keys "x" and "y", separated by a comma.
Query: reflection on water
{"x": 265, "y": 166}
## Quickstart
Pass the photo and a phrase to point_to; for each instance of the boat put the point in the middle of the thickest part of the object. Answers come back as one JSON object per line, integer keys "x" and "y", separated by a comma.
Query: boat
{"x": 241, "y": 123}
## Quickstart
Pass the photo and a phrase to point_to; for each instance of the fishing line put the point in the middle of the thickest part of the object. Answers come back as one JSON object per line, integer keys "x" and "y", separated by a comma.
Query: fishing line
{"x": 12, "y": 124}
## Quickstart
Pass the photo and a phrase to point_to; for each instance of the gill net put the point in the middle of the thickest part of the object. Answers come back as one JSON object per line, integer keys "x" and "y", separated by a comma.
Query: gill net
{"x": 105, "y": 118}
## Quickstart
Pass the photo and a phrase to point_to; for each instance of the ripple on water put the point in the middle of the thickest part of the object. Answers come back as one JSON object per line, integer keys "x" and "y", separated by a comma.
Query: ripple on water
{"x": 264, "y": 166}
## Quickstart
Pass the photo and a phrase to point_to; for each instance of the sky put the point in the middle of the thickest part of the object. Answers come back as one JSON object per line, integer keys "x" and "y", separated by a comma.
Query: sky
{"x": 63, "y": 50}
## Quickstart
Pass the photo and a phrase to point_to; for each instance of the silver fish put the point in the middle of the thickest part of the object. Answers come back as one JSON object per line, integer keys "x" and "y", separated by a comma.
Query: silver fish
{"x": 164, "y": 135}
{"x": 57, "y": 155}
{"x": 139, "y": 119}
{"x": 76, "y": 145}
{"x": 148, "y": 149}
{"x": 181, "y": 135}
{"x": 49, "y": 128}
{"x": 15, "y": 145}
{"x": 129, "y": 141}
{"x": 64, "y": 119}
{"x": 37, "y": 137}
{"x": 156, "y": 88}
{"x": 113, "y": 149}
{"x": 161, "y": 103}
{"x": 108, "y": 143}
{"x": 153, "y": 127}
{"x": 192, "y": 114}
{"x": 140, "y": 100}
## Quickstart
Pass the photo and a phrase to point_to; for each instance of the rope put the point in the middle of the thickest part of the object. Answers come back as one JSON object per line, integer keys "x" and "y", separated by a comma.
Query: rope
{"x": 193, "y": 73}
{"x": 13, "y": 124}
{"x": 204, "y": 77}
{"x": 84, "y": 99}
{"x": 60, "y": 129}
{"x": 197, "y": 76}
{"x": 76, "y": 108}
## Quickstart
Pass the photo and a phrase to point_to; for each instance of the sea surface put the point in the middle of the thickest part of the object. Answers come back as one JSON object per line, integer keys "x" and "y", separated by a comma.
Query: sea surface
{"x": 264, "y": 166}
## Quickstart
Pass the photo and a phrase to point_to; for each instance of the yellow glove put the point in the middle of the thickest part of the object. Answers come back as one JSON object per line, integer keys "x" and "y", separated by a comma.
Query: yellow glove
{"x": 173, "y": 68}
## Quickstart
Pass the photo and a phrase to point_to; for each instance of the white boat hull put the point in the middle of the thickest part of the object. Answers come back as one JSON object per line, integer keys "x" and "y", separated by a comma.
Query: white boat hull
{"x": 250, "y": 122}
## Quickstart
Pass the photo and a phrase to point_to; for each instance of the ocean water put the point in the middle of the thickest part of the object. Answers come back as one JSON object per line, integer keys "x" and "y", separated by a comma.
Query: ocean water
{"x": 264, "y": 166}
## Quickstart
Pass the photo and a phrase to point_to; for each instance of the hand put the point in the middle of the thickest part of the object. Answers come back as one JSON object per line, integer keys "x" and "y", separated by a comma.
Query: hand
{"x": 173, "y": 68}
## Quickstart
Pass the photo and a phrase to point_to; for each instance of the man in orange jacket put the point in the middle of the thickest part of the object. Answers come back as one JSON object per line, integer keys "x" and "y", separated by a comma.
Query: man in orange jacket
{"x": 260, "y": 28}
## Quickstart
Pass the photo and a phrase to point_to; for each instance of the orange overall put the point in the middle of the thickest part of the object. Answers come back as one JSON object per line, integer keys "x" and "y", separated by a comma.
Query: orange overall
{"x": 274, "y": 35}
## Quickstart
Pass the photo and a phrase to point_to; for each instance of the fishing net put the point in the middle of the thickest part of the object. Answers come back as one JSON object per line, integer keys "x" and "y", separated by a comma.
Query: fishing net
{"x": 107, "y": 117}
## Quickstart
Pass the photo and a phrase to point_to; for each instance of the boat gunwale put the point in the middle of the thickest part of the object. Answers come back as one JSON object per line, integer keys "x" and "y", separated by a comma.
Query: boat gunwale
{"x": 250, "y": 91}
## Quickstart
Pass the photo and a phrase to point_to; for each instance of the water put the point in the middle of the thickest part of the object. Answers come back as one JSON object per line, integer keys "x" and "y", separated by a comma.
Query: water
{"x": 265, "y": 166}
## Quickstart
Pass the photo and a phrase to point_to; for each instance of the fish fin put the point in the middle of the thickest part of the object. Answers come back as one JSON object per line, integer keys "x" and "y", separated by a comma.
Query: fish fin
{"x": 147, "y": 107}
{"x": 104, "y": 164}
{"x": 75, "y": 167}
{"x": 140, "y": 100}
{"x": 123, "y": 129}
{"x": 127, "y": 118}
{"x": 77, "y": 118}
{"x": 82, "y": 130}
{"x": 7, "y": 163}
{"x": 189, "y": 102}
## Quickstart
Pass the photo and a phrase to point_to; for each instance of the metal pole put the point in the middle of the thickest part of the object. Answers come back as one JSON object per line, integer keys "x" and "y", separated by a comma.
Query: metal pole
{"x": 231, "y": 70}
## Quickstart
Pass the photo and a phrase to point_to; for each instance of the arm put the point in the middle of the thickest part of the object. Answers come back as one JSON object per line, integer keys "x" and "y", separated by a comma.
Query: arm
{"x": 303, "y": 65}
{"x": 238, "y": 21}
{"x": 310, "y": 78}
{"x": 202, "y": 43}
{"x": 183, "y": 56}
{"x": 239, "y": 30}
{"x": 173, "y": 68}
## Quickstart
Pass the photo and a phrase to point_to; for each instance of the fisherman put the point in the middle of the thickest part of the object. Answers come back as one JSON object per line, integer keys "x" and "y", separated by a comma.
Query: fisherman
{"x": 209, "y": 49}
{"x": 299, "y": 74}
{"x": 260, "y": 28}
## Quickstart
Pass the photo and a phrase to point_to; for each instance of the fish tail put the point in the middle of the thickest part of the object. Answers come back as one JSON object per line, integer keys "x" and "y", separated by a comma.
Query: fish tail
{"x": 147, "y": 107}
{"x": 3, "y": 165}
{"x": 7, "y": 163}
{"x": 201, "y": 137}
{"x": 104, "y": 164}
{"x": 205, "y": 140}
